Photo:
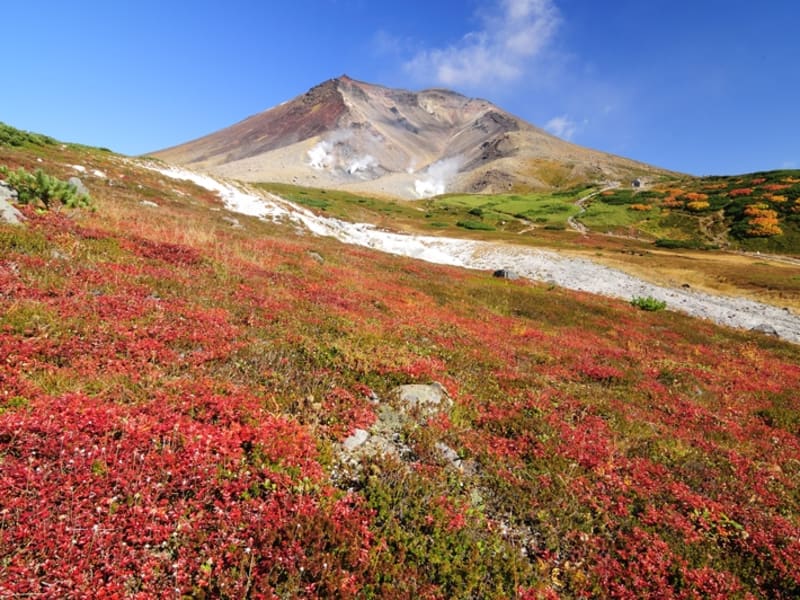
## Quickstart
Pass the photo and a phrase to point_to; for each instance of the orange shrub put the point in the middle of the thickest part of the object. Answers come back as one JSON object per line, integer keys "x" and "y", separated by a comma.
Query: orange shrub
{"x": 778, "y": 199}
{"x": 763, "y": 227}
{"x": 696, "y": 197}
{"x": 763, "y": 222}
{"x": 774, "y": 187}
{"x": 756, "y": 210}
{"x": 758, "y": 180}
{"x": 672, "y": 202}
{"x": 740, "y": 192}
{"x": 640, "y": 207}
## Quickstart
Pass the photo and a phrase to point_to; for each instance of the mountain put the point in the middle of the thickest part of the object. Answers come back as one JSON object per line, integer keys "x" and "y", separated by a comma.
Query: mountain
{"x": 347, "y": 134}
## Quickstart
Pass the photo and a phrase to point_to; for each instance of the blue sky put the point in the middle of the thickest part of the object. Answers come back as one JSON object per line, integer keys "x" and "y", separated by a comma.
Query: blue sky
{"x": 699, "y": 86}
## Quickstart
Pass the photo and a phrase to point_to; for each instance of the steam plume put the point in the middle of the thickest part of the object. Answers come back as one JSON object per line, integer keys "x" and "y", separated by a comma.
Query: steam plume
{"x": 437, "y": 177}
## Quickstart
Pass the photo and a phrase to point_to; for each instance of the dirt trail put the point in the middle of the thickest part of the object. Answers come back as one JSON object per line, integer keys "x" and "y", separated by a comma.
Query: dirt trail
{"x": 581, "y": 203}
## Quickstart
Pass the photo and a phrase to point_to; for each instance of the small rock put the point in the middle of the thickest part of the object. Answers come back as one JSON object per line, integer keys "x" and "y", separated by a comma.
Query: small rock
{"x": 505, "y": 274}
{"x": 766, "y": 329}
{"x": 149, "y": 203}
{"x": 78, "y": 186}
{"x": 358, "y": 438}
{"x": 316, "y": 256}
{"x": 449, "y": 454}
{"x": 233, "y": 222}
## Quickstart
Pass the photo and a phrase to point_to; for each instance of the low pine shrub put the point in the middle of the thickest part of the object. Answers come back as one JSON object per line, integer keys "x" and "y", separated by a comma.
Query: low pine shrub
{"x": 648, "y": 303}
{"x": 38, "y": 186}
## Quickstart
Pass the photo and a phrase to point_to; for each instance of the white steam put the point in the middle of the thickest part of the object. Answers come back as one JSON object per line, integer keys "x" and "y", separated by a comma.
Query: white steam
{"x": 437, "y": 177}
{"x": 362, "y": 163}
{"x": 340, "y": 152}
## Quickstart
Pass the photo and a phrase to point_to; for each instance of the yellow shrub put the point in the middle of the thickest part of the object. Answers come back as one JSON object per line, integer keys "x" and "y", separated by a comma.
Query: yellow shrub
{"x": 697, "y": 205}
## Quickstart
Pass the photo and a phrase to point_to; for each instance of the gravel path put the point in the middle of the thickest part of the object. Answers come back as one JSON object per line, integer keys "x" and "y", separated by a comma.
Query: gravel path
{"x": 532, "y": 263}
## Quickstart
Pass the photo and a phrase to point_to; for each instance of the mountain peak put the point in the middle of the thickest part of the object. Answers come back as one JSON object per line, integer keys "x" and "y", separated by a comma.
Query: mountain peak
{"x": 349, "y": 134}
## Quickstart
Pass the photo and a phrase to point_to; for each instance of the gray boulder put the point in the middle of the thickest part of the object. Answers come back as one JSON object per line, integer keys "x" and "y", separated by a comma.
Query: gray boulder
{"x": 9, "y": 213}
{"x": 505, "y": 274}
{"x": 78, "y": 186}
{"x": 359, "y": 438}
{"x": 421, "y": 400}
{"x": 7, "y": 192}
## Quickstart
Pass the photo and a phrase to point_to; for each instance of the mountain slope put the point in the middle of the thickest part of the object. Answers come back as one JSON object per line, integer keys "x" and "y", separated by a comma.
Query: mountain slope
{"x": 197, "y": 403}
{"x": 353, "y": 135}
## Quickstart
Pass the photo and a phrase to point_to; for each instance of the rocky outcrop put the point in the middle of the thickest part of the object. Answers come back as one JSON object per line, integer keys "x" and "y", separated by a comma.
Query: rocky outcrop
{"x": 406, "y": 406}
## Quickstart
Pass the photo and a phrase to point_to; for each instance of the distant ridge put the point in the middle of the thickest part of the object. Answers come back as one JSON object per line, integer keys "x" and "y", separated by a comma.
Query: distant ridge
{"x": 348, "y": 134}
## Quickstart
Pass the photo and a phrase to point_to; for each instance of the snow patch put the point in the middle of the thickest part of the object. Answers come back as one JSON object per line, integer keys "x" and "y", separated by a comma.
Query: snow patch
{"x": 79, "y": 168}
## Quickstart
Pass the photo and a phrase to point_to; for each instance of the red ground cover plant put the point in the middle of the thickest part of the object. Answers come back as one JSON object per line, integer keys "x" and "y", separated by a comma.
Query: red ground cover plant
{"x": 172, "y": 407}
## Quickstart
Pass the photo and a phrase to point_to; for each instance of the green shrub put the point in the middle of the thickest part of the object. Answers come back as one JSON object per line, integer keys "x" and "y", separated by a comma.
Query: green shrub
{"x": 41, "y": 187}
{"x": 648, "y": 303}
{"x": 10, "y": 136}
{"x": 475, "y": 225}
{"x": 683, "y": 244}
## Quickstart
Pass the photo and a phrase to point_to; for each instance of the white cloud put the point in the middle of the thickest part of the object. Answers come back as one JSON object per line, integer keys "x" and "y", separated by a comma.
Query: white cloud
{"x": 562, "y": 126}
{"x": 513, "y": 34}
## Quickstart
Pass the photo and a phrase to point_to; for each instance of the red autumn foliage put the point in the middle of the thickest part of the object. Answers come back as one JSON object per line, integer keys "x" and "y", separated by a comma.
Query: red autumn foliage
{"x": 170, "y": 414}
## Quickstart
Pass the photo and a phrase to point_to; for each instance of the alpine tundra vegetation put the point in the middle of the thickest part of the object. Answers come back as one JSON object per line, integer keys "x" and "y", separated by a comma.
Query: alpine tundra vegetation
{"x": 196, "y": 403}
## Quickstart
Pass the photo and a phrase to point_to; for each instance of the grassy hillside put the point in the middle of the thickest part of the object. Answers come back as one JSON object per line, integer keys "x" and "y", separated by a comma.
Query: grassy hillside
{"x": 456, "y": 214}
{"x": 175, "y": 391}
{"x": 757, "y": 212}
